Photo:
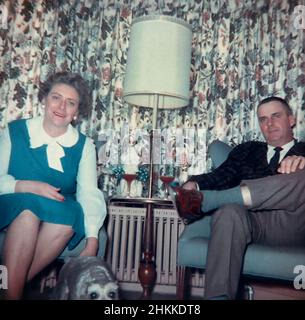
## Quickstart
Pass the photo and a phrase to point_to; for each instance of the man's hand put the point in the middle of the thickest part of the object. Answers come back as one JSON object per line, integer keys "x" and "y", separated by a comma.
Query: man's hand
{"x": 91, "y": 248}
{"x": 292, "y": 164}
{"x": 190, "y": 185}
{"x": 40, "y": 188}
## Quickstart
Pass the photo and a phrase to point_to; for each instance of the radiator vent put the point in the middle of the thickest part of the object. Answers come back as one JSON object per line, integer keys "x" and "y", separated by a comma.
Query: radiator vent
{"x": 125, "y": 235}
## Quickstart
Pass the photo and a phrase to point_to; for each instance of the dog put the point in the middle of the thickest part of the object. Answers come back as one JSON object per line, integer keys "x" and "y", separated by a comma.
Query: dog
{"x": 86, "y": 278}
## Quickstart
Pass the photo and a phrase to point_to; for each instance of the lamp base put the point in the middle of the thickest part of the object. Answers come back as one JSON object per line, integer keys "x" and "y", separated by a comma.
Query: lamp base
{"x": 147, "y": 276}
{"x": 147, "y": 270}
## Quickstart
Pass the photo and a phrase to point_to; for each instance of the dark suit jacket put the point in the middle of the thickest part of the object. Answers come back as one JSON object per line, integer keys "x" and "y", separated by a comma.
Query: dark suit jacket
{"x": 246, "y": 161}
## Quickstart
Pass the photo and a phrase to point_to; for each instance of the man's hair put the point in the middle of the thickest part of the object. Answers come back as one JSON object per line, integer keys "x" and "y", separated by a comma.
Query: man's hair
{"x": 278, "y": 99}
{"x": 74, "y": 80}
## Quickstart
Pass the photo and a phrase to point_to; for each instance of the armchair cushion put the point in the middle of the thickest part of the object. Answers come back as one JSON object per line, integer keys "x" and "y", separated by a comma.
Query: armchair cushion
{"x": 264, "y": 261}
{"x": 102, "y": 238}
{"x": 218, "y": 151}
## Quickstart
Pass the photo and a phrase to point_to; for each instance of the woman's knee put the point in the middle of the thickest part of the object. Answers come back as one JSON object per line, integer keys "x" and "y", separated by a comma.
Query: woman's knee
{"x": 27, "y": 218}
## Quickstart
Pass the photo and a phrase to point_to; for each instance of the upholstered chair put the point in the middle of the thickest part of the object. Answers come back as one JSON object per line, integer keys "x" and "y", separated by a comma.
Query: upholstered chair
{"x": 275, "y": 263}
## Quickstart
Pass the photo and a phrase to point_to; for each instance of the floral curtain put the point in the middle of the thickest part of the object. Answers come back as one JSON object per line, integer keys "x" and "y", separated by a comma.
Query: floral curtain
{"x": 242, "y": 52}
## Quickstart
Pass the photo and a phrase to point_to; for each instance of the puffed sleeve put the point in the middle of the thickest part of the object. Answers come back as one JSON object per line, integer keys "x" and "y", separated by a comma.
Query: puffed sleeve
{"x": 87, "y": 194}
{"x": 7, "y": 182}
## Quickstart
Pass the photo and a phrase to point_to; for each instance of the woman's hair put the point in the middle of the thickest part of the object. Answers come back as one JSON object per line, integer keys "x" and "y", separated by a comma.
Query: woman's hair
{"x": 74, "y": 80}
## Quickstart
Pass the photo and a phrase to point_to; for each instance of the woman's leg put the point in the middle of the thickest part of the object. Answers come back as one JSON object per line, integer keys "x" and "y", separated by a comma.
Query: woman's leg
{"x": 52, "y": 239}
{"x": 18, "y": 252}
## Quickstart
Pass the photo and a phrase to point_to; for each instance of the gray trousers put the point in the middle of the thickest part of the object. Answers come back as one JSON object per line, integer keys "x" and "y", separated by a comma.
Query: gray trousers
{"x": 275, "y": 217}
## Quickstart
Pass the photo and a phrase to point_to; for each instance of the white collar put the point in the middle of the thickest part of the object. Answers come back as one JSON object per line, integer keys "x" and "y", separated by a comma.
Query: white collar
{"x": 55, "y": 151}
{"x": 285, "y": 148}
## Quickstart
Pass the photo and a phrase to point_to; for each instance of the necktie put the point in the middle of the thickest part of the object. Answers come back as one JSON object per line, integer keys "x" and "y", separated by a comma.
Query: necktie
{"x": 274, "y": 162}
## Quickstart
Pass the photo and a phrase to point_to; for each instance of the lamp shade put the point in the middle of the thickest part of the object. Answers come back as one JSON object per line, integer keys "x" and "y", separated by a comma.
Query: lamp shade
{"x": 158, "y": 62}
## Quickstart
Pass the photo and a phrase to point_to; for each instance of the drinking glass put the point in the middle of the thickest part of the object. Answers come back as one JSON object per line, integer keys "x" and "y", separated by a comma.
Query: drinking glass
{"x": 129, "y": 177}
{"x": 167, "y": 176}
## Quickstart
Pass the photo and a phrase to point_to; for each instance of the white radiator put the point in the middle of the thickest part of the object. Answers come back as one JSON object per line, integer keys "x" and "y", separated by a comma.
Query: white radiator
{"x": 125, "y": 231}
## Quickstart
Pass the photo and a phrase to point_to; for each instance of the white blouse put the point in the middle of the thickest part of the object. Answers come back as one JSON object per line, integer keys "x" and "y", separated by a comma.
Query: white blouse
{"x": 87, "y": 194}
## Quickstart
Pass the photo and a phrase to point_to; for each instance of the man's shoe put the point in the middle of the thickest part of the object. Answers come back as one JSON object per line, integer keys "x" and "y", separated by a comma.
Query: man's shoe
{"x": 187, "y": 203}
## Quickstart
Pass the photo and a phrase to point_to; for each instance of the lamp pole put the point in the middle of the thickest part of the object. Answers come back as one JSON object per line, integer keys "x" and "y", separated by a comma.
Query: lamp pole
{"x": 157, "y": 76}
{"x": 147, "y": 270}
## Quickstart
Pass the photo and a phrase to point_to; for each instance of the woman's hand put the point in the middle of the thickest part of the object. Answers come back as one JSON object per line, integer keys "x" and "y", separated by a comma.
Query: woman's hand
{"x": 91, "y": 247}
{"x": 40, "y": 188}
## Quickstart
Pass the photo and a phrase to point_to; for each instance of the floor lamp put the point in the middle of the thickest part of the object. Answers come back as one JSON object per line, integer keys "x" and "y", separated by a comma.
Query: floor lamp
{"x": 158, "y": 77}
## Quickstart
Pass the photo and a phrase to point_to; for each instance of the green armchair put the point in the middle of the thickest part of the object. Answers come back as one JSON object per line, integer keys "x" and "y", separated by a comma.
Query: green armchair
{"x": 260, "y": 261}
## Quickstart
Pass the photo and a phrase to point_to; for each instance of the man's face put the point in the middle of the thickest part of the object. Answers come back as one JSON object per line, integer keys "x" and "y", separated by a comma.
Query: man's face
{"x": 276, "y": 125}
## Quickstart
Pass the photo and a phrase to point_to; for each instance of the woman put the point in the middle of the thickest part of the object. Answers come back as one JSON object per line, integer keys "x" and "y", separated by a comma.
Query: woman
{"x": 48, "y": 183}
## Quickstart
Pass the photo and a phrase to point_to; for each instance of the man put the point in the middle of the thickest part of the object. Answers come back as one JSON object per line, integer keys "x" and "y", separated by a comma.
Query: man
{"x": 259, "y": 196}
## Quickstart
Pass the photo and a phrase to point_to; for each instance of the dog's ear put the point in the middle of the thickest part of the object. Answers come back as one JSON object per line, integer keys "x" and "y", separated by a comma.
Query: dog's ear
{"x": 77, "y": 287}
{"x": 65, "y": 293}
{"x": 61, "y": 291}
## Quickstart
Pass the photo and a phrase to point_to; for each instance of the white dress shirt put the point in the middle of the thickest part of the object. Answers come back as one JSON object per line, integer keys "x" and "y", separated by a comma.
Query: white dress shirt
{"x": 87, "y": 194}
{"x": 285, "y": 148}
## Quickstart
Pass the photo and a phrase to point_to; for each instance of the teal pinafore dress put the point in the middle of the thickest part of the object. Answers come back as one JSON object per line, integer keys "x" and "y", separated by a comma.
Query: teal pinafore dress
{"x": 32, "y": 164}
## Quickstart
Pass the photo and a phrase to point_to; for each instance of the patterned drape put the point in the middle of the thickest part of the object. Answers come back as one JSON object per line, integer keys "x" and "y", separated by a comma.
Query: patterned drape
{"x": 242, "y": 51}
